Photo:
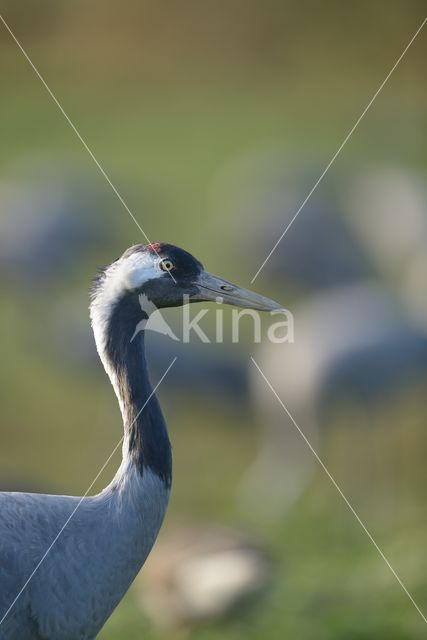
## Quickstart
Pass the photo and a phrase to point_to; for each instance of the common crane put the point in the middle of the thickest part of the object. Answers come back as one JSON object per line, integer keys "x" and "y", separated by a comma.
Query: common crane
{"x": 106, "y": 541}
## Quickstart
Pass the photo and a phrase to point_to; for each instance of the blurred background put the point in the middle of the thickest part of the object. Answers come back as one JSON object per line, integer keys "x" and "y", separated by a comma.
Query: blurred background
{"x": 214, "y": 120}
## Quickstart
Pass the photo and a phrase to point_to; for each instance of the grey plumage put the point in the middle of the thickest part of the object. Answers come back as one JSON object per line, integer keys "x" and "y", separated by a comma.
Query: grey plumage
{"x": 90, "y": 567}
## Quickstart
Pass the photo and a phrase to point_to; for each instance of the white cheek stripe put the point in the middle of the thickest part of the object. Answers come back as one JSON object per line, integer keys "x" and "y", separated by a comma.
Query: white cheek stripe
{"x": 123, "y": 275}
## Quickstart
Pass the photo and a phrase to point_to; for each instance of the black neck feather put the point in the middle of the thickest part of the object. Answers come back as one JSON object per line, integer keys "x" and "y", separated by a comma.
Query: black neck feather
{"x": 144, "y": 424}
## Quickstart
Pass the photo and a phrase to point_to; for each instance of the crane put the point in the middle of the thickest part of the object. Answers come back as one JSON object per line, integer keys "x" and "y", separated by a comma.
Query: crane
{"x": 109, "y": 536}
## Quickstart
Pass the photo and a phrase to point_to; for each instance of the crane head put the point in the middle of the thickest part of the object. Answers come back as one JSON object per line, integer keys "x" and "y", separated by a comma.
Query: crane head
{"x": 169, "y": 277}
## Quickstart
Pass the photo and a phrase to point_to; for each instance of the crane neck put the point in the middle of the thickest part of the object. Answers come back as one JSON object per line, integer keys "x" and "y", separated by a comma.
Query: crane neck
{"x": 146, "y": 443}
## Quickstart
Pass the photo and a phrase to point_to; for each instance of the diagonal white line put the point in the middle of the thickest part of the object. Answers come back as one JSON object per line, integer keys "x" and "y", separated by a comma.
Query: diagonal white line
{"x": 340, "y": 148}
{"x": 76, "y": 131}
{"x": 55, "y": 540}
{"x": 338, "y": 488}
{"x": 72, "y": 125}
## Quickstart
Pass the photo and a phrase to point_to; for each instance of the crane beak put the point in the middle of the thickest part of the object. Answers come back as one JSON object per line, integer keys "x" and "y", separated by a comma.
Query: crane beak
{"x": 214, "y": 288}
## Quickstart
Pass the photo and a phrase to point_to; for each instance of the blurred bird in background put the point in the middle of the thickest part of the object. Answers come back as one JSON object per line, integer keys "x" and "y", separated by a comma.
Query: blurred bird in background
{"x": 356, "y": 335}
{"x": 203, "y": 573}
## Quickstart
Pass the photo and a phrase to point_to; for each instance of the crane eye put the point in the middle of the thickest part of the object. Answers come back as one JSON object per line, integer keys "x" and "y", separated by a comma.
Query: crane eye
{"x": 166, "y": 264}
